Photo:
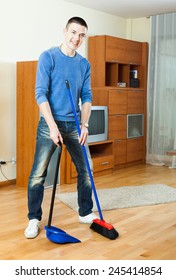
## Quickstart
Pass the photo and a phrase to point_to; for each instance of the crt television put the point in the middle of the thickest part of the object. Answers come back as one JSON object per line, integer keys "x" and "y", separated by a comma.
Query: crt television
{"x": 98, "y": 124}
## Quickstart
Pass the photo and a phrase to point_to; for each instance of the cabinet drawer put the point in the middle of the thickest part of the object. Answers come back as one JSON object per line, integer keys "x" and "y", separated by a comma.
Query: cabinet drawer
{"x": 120, "y": 152}
{"x": 121, "y": 50}
{"x": 117, "y": 127}
{"x": 134, "y": 149}
{"x": 117, "y": 102}
{"x": 135, "y": 102}
{"x": 99, "y": 164}
{"x": 103, "y": 163}
{"x": 100, "y": 97}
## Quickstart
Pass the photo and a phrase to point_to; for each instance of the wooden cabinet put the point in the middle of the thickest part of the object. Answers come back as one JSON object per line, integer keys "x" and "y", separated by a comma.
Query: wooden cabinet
{"x": 112, "y": 61}
{"x": 27, "y": 116}
{"x": 122, "y": 50}
{"x": 117, "y": 102}
{"x": 136, "y": 101}
{"x": 117, "y": 127}
{"x": 120, "y": 152}
{"x": 134, "y": 149}
{"x": 27, "y": 120}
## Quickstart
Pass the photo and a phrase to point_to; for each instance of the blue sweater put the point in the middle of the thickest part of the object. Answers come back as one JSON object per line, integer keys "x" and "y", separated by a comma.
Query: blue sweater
{"x": 53, "y": 69}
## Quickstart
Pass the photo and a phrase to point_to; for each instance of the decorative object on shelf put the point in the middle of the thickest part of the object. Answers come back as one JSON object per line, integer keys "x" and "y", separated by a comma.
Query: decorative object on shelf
{"x": 134, "y": 83}
{"x": 133, "y": 74}
{"x": 120, "y": 84}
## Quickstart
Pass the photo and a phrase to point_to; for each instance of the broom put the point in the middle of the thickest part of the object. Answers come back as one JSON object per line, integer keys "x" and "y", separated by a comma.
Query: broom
{"x": 98, "y": 225}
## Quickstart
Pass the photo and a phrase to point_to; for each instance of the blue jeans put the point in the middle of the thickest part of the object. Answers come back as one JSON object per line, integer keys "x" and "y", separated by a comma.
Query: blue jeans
{"x": 45, "y": 147}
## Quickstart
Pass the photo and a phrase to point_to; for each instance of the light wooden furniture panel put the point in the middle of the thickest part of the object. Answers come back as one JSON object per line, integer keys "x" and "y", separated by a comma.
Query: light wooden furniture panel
{"x": 100, "y": 96}
{"x": 96, "y": 54}
{"x": 117, "y": 127}
{"x": 27, "y": 116}
{"x": 122, "y": 50}
{"x": 27, "y": 120}
{"x": 120, "y": 152}
{"x": 134, "y": 149}
{"x": 135, "y": 102}
{"x": 117, "y": 102}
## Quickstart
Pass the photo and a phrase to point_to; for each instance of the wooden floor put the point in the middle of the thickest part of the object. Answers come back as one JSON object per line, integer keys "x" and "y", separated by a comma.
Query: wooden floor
{"x": 146, "y": 233}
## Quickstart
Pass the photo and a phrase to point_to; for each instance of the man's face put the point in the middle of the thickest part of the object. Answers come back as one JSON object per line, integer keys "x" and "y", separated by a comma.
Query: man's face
{"x": 75, "y": 34}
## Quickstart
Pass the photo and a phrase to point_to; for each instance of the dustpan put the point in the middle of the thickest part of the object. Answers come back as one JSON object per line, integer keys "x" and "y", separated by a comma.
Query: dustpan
{"x": 59, "y": 236}
{"x": 55, "y": 234}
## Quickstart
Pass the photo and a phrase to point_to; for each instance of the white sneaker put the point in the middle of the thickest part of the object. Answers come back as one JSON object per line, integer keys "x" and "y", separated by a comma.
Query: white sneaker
{"x": 32, "y": 229}
{"x": 88, "y": 219}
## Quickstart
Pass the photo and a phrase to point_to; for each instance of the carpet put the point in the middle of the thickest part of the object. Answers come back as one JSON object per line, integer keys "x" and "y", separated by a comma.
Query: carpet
{"x": 125, "y": 197}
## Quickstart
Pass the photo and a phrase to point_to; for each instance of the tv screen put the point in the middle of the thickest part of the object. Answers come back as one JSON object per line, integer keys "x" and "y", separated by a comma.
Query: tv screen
{"x": 98, "y": 124}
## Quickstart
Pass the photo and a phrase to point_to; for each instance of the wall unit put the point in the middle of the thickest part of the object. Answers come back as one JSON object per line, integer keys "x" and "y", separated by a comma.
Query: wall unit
{"x": 112, "y": 61}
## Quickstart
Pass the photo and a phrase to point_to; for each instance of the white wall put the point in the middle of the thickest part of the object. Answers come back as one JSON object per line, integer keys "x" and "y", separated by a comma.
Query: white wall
{"x": 138, "y": 29}
{"x": 27, "y": 27}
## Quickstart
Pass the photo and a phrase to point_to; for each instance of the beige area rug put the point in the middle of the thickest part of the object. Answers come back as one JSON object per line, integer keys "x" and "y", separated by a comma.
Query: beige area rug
{"x": 125, "y": 197}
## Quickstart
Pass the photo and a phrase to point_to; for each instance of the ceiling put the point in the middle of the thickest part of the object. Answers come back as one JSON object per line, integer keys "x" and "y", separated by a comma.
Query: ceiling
{"x": 129, "y": 8}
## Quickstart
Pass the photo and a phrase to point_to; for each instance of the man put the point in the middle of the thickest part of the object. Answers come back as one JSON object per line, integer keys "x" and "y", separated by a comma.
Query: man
{"x": 57, "y": 123}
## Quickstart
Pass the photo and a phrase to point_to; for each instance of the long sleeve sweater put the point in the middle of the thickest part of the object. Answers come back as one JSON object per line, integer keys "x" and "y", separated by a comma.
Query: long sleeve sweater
{"x": 53, "y": 69}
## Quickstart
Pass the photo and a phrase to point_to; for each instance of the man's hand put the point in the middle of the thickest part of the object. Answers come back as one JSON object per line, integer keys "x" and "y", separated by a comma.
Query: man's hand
{"x": 83, "y": 136}
{"x": 54, "y": 131}
{"x": 56, "y": 136}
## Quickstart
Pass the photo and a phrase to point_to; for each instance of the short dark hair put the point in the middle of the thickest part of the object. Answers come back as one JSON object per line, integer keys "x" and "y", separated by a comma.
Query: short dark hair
{"x": 77, "y": 20}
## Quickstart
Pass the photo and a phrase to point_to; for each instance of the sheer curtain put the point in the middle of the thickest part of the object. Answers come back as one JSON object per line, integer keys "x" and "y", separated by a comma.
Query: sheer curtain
{"x": 161, "y": 101}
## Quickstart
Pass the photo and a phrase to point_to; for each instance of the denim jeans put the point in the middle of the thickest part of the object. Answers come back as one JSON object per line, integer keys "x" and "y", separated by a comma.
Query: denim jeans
{"x": 45, "y": 147}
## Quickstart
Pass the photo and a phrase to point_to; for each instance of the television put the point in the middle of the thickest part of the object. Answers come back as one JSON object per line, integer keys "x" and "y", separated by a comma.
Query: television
{"x": 98, "y": 124}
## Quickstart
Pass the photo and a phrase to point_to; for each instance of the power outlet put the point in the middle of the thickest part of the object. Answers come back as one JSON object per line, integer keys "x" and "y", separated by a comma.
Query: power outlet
{"x": 13, "y": 160}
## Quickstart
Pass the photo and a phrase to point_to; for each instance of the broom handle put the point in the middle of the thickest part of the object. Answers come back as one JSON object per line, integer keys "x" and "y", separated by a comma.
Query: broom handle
{"x": 54, "y": 186}
{"x": 84, "y": 152}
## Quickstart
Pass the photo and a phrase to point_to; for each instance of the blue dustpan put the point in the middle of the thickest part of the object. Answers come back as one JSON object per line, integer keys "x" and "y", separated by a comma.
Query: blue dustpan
{"x": 58, "y": 235}
{"x": 55, "y": 234}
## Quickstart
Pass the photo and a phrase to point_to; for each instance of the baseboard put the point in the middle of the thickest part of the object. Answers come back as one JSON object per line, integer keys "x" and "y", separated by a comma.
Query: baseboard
{"x": 7, "y": 183}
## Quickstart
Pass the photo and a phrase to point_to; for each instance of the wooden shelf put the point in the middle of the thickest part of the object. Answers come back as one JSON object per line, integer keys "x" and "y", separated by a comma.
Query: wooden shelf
{"x": 113, "y": 58}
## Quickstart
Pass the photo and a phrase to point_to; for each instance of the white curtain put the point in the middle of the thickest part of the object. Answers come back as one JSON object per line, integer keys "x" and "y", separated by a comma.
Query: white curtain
{"x": 161, "y": 98}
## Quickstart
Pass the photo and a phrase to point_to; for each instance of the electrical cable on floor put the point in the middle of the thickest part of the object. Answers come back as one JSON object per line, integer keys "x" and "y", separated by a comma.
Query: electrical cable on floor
{"x": 3, "y": 173}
